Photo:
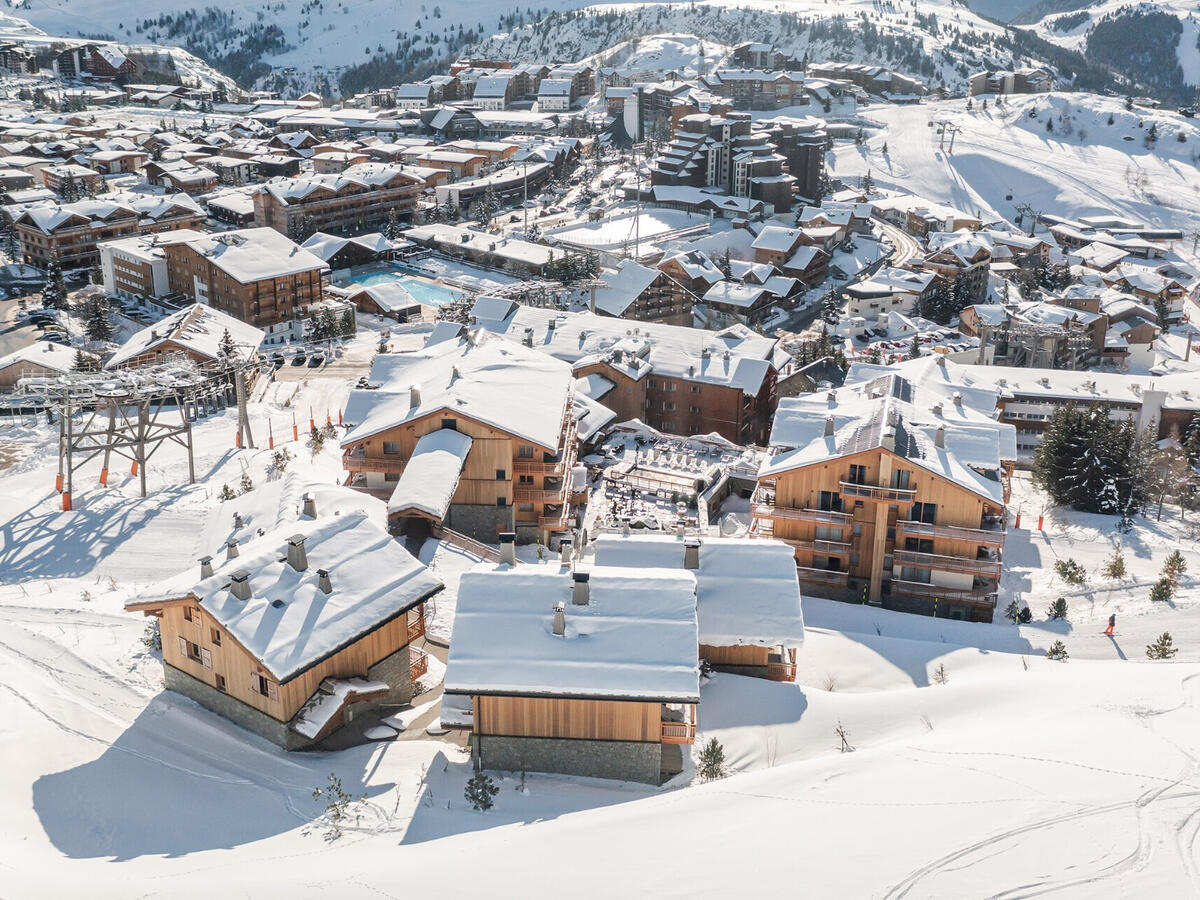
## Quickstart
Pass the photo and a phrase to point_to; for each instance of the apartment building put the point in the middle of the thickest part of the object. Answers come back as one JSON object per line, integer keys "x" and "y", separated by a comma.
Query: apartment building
{"x": 891, "y": 492}
{"x": 137, "y": 266}
{"x": 356, "y": 200}
{"x": 642, "y": 294}
{"x": 473, "y": 433}
{"x": 72, "y": 231}
{"x": 254, "y": 274}
{"x": 677, "y": 379}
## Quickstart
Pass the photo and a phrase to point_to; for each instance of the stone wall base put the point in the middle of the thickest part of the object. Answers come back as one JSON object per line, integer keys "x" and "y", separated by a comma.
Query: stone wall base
{"x": 479, "y": 521}
{"x": 624, "y": 760}
{"x": 233, "y": 709}
{"x": 395, "y": 672}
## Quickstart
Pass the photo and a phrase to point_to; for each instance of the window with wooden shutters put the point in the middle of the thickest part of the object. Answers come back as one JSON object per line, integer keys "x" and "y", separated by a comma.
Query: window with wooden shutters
{"x": 205, "y": 658}
{"x": 272, "y": 690}
{"x": 183, "y": 646}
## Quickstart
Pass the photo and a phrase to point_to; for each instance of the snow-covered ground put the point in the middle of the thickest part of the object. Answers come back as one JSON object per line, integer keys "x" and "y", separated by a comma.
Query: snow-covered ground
{"x": 1003, "y": 157}
{"x": 1018, "y": 775}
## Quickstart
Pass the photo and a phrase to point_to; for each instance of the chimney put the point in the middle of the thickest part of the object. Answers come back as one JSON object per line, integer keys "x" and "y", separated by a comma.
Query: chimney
{"x": 958, "y": 399}
{"x": 238, "y": 522}
{"x": 414, "y": 397}
{"x": 206, "y": 569}
{"x": 310, "y": 505}
{"x": 828, "y": 426}
{"x": 324, "y": 585}
{"x": 691, "y": 553}
{"x": 941, "y": 361}
{"x": 240, "y": 585}
{"x": 508, "y": 548}
{"x": 560, "y": 619}
{"x": 564, "y": 548}
{"x": 937, "y": 409}
{"x": 231, "y": 549}
{"x": 581, "y": 593}
{"x": 296, "y": 557}
{"x": 940, "y": 439}
{"x": 528, "y": 339}
{"x": 888, "y": 440}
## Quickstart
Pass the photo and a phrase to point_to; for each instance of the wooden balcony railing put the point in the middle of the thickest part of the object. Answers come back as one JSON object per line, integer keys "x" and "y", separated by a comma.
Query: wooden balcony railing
{"x": 418, "y": 663}
{"x": 989, "y": 537}
{"x": 416, "y": 628}
{"x": 988, "y": 568}
{"x": 823, "y": 576}
{"x": 937, "y": 592}
{"x": 783, "y": 668}
{"x": 555, "y": 523}
{"x": 873, "y": 492}
{"x": 357, "y": 461}
{"x": 678, "y": 732}
{"x": 818, "y": 516}
{"x": 828, "y": 547}
{"x": 530, "y": 495}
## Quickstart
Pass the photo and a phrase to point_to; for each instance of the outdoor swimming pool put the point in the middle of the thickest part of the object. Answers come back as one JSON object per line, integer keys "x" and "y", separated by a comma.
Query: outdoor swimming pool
{"x": 422, "y": 291}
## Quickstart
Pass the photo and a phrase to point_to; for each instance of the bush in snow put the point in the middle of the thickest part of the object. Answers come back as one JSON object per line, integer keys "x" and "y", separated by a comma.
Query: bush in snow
{"x": 1070, "y": 571}
{"x": 316, "y": 439}
{"x": 1058, "y": 609}
{"x": 1017, "y": 613}
{"x": 1174, "y": 566}
{"x": 226, "y": 493}
{"x": 152, "y": 638}
{"x": 1163, "y": 648}
{"x": 1114, "y": 566}
{"x": 246, "y": 484}
{"x": 1163, "y": 590}
{"x": 479, "y": 792}
{"x": 337, "y": 810}
{"x": 1057, "y": 651}
{"x": 940, "y": 675}
{"x": 712, "y": 761}
{"x": 280, "y": 459}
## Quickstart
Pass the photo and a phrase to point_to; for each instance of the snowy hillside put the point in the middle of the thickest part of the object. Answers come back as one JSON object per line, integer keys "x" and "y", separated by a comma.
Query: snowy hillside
{"x": 1077, "y": 165}
{"x": 1155, "y": 41}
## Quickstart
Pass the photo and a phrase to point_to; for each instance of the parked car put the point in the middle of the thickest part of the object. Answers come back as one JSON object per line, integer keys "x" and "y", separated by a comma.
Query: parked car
{"x": 298, "y": 359}
{"x": 277, "y": 360}
{"x": 316, "y": 361}
{"x": 54, "y": 337}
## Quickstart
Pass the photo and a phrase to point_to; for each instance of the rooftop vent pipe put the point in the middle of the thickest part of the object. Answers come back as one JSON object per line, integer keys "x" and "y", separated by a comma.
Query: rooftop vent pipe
{"x": 324, "y": 585}
{"x": 564, "y": 548}
{"x": 581, "y": 591}
{"x": 296, "y": 557}
{"x": 560, "y": 619}
{"x": 238, "y": 522}
{"x": 310, "y": 505}
{"x": 828, "y": 426}
{"x": 231, "y": 549}
{"x": 240, "y": 585}
{"x": 206, "y": 568}
{"x": 508, "y": 548}
{"x": 691, "y": 553}
{"x": 414, "y": 397}
{"x": 940, "y": 439}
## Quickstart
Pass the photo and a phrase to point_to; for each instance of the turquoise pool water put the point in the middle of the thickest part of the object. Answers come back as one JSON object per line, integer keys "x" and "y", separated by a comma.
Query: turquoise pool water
{"x": 423, "y": 291}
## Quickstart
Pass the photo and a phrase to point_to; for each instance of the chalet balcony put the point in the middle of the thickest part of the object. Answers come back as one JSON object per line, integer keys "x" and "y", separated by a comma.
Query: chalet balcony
{"x": 992, "y": 534}
{"x": 827, "y": 577}
{"x": 817, "y": 516}
{"x": 985, "y": 568}
{"x": 937, "y": 592}
{"x": 782, "y": 667}
{"x": 416, "y": 628}
{"x": 355, "y": 460}
{"x": 418, "y": 663}
{"x": 827, "y": 548}
{"x": 876, "y": 493}
{"x": 531, "y": 495}
{"x": 681, "y": 730}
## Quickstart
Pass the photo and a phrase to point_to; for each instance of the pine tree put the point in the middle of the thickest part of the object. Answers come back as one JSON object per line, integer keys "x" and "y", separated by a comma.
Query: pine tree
{"x": 84, "y": 362}
{"x": 226, "y": 349}
{"x": 1114, "y": 566}
{"x": 711, "y": 764}
{"x": 914, "y": 351}
{"x": 391, "y": 230}
{"x": 1163, "y": 648}
{"x": 1058, "y": 609}
{"x": 54, "y": 291}
{"x": 1070, "y": 571}
{"x": 349, "y": 324}
{"x": 1174, "y": 566}
{"x": 98, "y": 326}
{"x": 480, "y": 791}
{"x": 1091, "y": 463}
{"x": 1058, "y": 651}
{"x": 1162, "y": 590}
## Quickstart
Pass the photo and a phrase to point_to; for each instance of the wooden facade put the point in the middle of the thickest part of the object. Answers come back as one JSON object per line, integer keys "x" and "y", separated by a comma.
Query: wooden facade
{"x": 556, "y": 717}
{"x": 873, "y": 526}
{"x": 501, "y": 469}
{"x": 195, "y": 643}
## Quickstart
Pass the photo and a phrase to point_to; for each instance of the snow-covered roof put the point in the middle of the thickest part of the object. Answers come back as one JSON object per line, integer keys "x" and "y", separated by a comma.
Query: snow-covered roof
{"x": 621, "y": 288}
{"x": 275, "y": 504}
{"x": 431, "y": 475}
{"x": 289, "y": 624}
{"x": 44, "y": 354}
{"x": 197, "y": 328}
{"x": 248, "y": 255}
{"x": 499, "y": 383}
{"x": 734, "y": 357}
{"x": 391, "y": 296}
{"x": 326, "y": 245}
{"x": 746, "y": 590}
{"x": 731, "y": 293}
{"x": 636, "y": 639}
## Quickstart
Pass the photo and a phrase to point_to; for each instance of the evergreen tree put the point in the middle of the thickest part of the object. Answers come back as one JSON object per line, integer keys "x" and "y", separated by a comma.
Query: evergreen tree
{"x": 1114, "y": 566}
{"x": 914, "y": 351}
{"x": 1162, "y": 590}
{"x": 328, "y": 324}
{"x": 84, "y": 362}
{"x": 98, "y": 326}
{"x": 391, "y": 230}
{"x": 54, "y": 291}
{"x": 349, "y": 324}
{"x": 480, "y": 792}
{"x": 1090, "y": 463}
{"x": 1174, "y": 566}
{"x": 1058, "y": 609}
{"x": 1058, "y": 651}
{"x": 226, "y": 349}
{"x": 1163, "y": 648}
{"x": 711, "y": 764}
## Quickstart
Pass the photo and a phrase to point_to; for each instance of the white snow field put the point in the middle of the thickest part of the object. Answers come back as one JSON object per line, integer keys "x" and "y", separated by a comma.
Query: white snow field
{"x": 1017, "y": 776}
{"x": 1087, "y": 168}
